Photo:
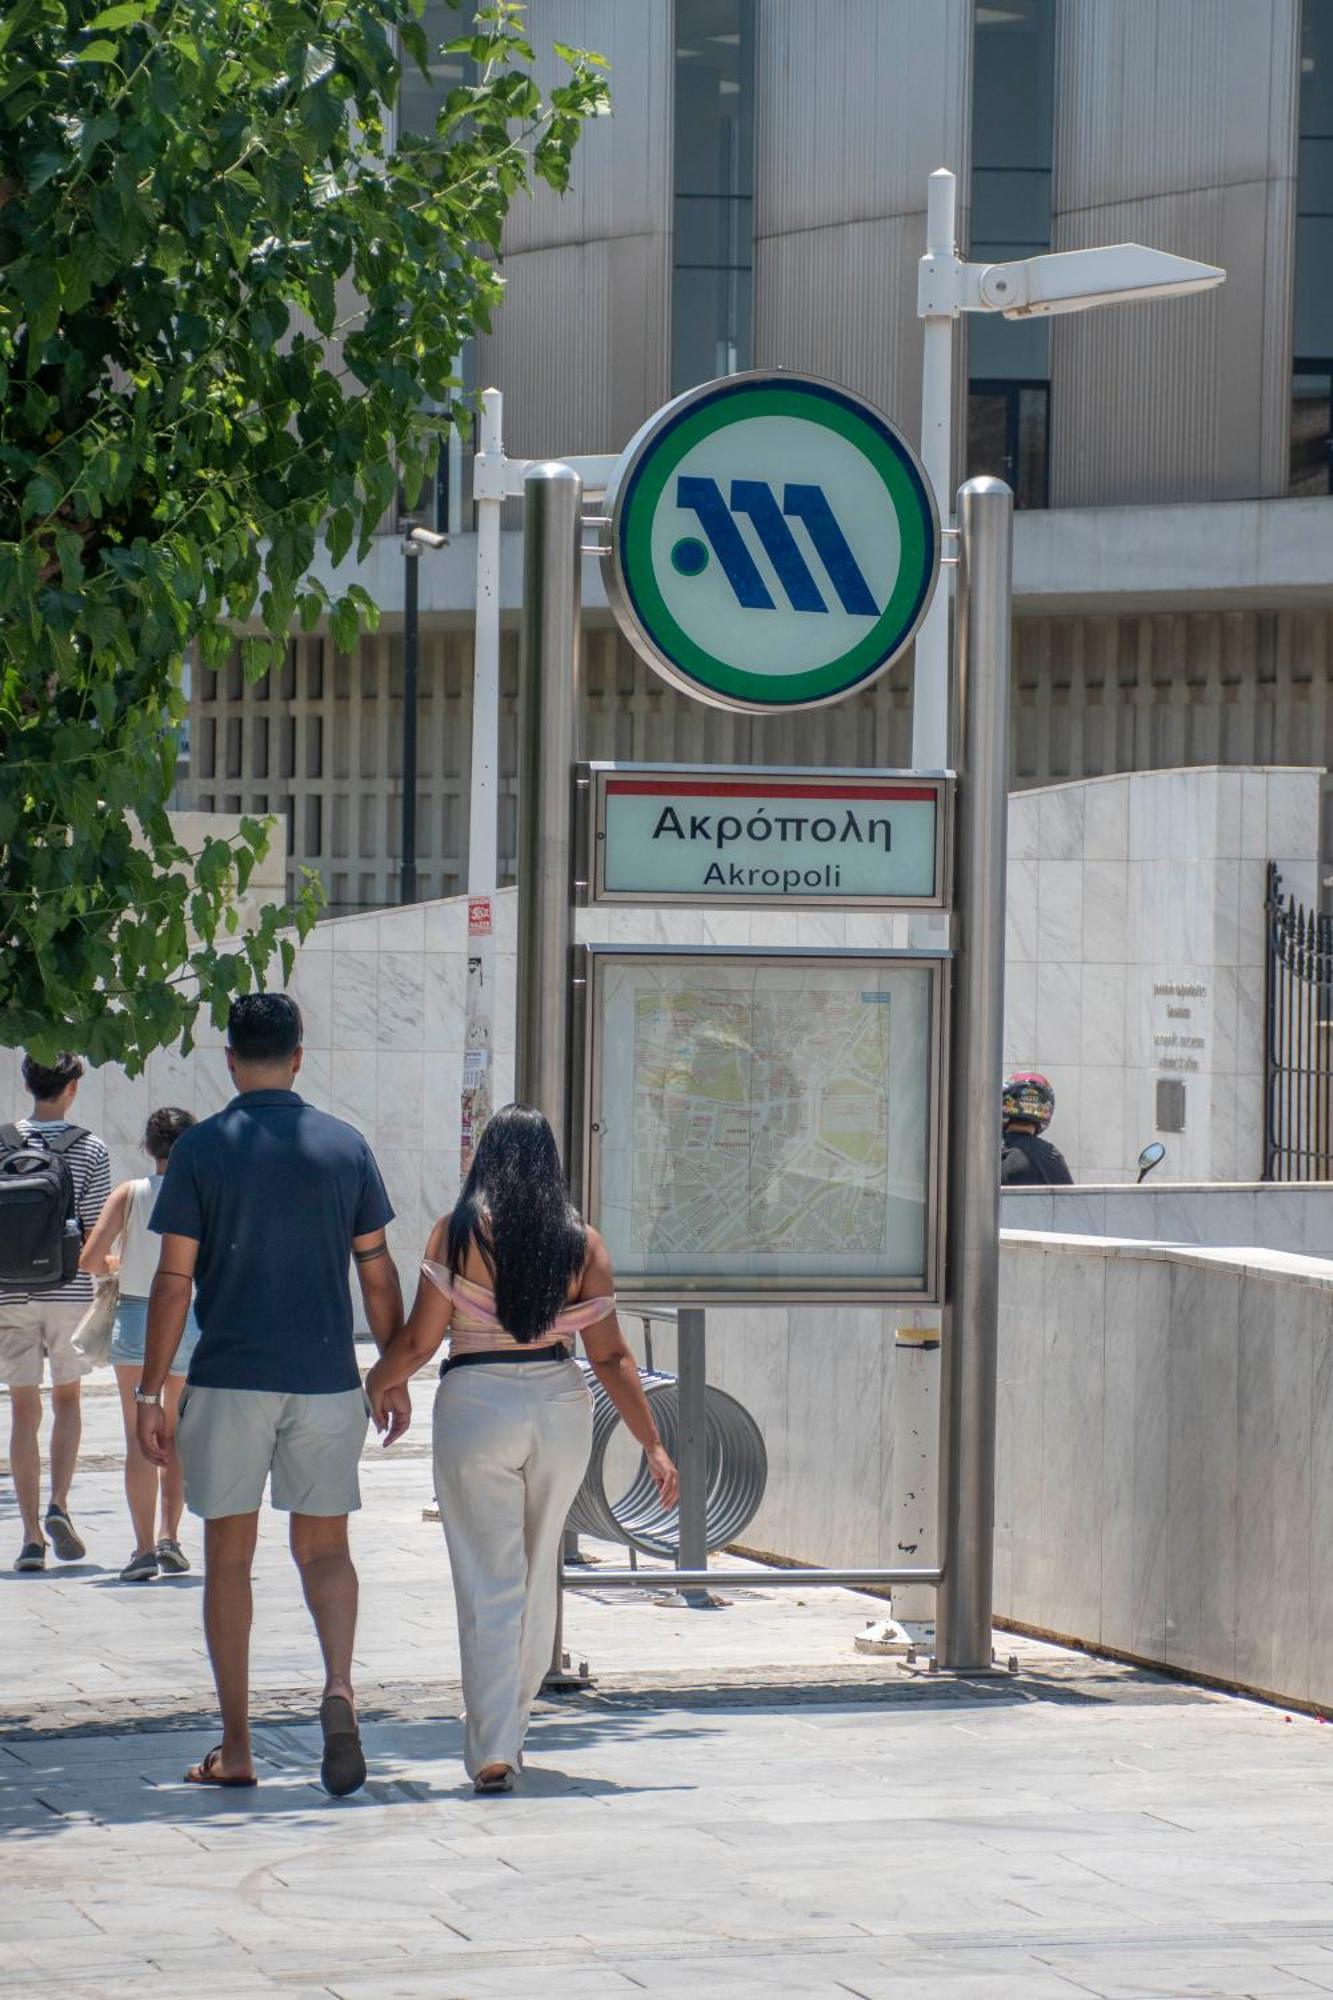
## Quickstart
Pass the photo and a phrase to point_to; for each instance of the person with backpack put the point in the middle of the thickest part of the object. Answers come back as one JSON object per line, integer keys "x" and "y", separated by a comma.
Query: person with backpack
{"x": 55, "y": 1177}
{"x": 121, "y": 1243}
{"x": 1026, "y": 1159}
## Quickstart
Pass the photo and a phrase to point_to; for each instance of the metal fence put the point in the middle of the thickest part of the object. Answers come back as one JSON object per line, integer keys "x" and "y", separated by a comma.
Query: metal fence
{"x": 1298, "y": 1098}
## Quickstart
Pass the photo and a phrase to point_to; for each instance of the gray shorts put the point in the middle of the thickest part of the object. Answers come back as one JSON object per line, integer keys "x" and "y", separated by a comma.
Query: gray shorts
{"x": 37, "y": 1332}
{"x": 230, "y": 1440}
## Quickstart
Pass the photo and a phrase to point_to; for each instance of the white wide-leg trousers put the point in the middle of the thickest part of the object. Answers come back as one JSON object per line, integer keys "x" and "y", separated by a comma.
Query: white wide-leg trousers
{"x": 511, "y": 1448}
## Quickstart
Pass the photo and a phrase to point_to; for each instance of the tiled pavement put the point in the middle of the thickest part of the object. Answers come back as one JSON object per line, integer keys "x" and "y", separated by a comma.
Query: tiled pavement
{"x": 742, "y": 1808}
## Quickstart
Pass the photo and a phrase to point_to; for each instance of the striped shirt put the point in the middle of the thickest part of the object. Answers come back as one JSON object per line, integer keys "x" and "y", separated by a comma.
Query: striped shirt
{"x": 90, "y": 1169}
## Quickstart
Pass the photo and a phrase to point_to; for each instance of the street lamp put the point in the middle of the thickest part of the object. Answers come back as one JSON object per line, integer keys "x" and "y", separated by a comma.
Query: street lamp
{"x": 415, "y": 539}
{"x": 1063, "y": 281}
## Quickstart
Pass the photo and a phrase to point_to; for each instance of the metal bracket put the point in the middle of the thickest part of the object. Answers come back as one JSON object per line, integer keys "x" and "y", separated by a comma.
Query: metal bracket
{"x": 566, "y": 1678}
{"x": 930, "y": 1668}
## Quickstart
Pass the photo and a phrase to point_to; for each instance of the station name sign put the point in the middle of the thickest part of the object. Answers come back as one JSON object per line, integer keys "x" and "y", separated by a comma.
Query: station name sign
{"x": 689, "y": 835}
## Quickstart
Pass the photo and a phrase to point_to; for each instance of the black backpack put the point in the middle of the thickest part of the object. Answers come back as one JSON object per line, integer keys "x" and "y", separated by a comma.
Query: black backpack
{"x": 40, "y": 1236}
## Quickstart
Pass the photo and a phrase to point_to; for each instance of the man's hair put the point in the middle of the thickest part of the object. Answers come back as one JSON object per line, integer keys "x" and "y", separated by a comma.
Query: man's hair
{"x": 264, "y": 1027}
{"x": 164, "y": 1128}
{"x": 48, "y": 1080}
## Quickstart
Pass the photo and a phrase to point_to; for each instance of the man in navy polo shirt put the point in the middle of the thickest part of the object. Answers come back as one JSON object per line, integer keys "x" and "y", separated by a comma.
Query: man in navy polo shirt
{"x": 261, "y": 1211}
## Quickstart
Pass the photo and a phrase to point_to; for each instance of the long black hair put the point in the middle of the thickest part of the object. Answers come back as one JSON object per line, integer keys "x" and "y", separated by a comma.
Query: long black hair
{"x": 515, "y": 1208}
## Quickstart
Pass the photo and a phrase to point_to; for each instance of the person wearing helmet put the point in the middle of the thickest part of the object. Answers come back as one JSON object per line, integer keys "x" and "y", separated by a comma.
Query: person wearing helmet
{"x": 1028, "y": 1160}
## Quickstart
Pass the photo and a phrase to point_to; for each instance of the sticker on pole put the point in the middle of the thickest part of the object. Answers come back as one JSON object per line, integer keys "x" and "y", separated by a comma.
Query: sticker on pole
{"x": 774, "y": 543}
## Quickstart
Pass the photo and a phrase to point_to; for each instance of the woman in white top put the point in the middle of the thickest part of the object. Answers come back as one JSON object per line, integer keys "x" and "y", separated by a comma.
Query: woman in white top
{"x": 127, "y": 1213}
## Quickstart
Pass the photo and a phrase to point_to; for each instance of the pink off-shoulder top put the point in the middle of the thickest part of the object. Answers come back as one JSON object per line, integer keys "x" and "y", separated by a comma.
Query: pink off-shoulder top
{"x": 474, "y": 1327}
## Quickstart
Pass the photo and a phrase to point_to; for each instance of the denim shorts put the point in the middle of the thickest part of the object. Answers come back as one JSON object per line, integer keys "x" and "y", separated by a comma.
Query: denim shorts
{"x": 131, "y": 1325}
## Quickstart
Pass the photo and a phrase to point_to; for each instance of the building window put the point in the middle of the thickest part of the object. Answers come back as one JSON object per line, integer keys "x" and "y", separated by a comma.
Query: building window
{"x": 421, "y": 98}
{"x": 1311, "y": 423}
{"x": 1312, "y": 427}
{"x": 420, "y": 101}
{"x": 713, "y": 216}
{"x": 1009, "y": 361}
{"x": 1008, "y": 434}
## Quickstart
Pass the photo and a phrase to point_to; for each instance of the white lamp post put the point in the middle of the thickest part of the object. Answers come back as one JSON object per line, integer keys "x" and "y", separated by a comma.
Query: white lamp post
{"x": 1061, "y": 282}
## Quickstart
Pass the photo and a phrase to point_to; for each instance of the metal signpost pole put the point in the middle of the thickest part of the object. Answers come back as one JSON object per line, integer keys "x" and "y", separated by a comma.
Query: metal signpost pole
{"x": 548, "y": 714}
{"x": 691, "y": 1378}
{"x": 964, "y": 1599}
{"x": 547, "y": 746}
{"x": 483, "y": 830}
{"x": 407, "y": 891}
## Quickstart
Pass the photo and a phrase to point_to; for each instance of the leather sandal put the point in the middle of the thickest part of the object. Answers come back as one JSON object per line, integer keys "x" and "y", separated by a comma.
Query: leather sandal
{"x": 208, "y": 1773}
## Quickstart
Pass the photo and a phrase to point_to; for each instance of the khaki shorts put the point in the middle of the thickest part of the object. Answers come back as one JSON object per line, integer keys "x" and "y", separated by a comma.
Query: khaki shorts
{"x": 230, "y": 1440}
{"x": 30, "y": 1331}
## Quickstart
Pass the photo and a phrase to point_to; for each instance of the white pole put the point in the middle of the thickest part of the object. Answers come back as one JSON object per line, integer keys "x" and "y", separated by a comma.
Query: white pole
{"x": 930, "y": 689}
{"x": 488, "y": 479}
{"x": 916, "y": 1380}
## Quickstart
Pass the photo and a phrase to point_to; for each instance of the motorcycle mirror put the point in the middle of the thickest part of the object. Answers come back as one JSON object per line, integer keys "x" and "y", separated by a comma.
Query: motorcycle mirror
{"x": 1151, "y": 1156}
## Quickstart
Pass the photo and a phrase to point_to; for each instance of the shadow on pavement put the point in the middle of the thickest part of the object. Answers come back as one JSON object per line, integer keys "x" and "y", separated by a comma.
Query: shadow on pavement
{"x": 47, "y": 1782}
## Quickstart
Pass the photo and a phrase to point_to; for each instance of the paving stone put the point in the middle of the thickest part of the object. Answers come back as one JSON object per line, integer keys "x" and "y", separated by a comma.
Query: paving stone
{"x": 741, "y": 1807}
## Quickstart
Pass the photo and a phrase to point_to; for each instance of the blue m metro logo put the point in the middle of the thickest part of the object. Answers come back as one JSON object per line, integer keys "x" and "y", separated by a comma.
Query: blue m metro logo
{"x": 756, "y": 499}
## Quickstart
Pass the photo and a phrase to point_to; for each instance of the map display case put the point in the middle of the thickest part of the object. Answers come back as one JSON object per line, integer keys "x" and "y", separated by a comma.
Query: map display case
{"x": 764, "y": 1124}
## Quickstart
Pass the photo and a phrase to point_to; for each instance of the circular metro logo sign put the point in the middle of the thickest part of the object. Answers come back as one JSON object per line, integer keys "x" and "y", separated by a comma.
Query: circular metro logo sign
{"x": 774, "y": 542}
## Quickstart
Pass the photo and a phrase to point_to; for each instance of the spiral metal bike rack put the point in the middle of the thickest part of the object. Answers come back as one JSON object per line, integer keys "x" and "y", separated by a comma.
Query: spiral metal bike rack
{"x": 736, "y": 1472}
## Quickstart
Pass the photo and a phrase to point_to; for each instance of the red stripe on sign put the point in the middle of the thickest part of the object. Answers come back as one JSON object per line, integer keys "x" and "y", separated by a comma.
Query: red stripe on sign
{"x": 702, "y": 788}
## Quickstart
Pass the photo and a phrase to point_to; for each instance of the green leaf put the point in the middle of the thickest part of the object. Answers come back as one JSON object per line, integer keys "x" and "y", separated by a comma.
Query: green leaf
{"x": 98, "y": 52}
{"x": 120, "y": 16}
{"x": 344, "y": 624}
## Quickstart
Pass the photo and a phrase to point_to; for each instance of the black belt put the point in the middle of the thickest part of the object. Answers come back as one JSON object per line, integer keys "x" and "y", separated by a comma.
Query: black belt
{"x": 472, "y": 1359}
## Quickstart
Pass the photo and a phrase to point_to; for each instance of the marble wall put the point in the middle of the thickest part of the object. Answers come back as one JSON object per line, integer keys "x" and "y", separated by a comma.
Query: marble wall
{"x": 1165, "y": 1456}
{"x": 1135, "y": 951}
{"x": 1265, "y": 1215}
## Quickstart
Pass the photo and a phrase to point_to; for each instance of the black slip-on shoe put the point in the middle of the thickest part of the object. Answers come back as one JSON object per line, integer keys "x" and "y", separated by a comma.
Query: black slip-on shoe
{"x": 140, "y": 1568}
{"x": 67, "y": 1544}
{"x": 32, "y": 1556}
{"x": 343, "y": 1769}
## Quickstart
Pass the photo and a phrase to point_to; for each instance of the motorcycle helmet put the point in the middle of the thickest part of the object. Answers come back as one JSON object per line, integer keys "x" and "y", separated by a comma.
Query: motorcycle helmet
{"x": 1028, "y": 1098}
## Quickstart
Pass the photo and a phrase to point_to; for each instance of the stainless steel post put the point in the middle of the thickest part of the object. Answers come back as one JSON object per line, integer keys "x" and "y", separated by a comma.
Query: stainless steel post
{"x": 548, "y": 714}
{"x": 692, "y": 1445}
{"x": 964, "y": 1600}
{"x": 547, "y": 746}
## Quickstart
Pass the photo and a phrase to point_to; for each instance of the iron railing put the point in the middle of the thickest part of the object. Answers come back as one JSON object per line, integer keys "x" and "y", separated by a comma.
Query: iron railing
{"x": 1298, "y": 1036}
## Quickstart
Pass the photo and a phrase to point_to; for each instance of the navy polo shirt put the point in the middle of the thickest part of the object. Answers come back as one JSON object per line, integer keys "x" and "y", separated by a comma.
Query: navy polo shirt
{"x": 273, "y": 1192}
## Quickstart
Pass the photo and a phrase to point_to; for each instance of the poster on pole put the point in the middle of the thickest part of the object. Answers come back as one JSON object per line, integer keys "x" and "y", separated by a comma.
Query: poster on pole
{"x": 765, "y": 1125}
{"x": 476, "y": 1105}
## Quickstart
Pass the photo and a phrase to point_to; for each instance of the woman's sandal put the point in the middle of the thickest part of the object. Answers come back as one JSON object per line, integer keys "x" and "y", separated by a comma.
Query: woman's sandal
{"x": 344, "y": 1767}
{"x": 490, "y": 1786}
{"x": 208, "y": 1773}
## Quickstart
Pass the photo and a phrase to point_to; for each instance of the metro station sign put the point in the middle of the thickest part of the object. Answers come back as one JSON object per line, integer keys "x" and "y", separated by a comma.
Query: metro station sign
{"x": 774, "y": 543}
{"x": 701, "y": 835}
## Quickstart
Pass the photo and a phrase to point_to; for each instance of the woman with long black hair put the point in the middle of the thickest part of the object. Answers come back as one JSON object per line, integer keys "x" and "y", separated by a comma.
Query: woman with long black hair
{"x": 513, "y": 1275}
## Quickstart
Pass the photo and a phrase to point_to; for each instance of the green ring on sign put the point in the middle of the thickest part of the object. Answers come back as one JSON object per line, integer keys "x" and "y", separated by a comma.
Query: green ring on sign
{"x": 811, "y": 402}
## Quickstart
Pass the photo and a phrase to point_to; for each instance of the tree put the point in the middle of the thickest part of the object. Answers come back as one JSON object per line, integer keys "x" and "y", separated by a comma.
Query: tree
{"x": 227, "y": 311}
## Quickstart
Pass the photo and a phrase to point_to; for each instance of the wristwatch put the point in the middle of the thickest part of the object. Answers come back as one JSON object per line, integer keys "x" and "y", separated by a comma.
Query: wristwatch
{"x": 141, "y": 1395}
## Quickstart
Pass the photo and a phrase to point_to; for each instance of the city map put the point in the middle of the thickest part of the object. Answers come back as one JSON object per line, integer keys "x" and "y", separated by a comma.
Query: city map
{"x": 760, "y": 1122}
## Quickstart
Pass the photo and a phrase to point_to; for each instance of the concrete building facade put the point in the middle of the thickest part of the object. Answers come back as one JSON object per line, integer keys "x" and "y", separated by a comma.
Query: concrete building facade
{"x": 757, "y": 200}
